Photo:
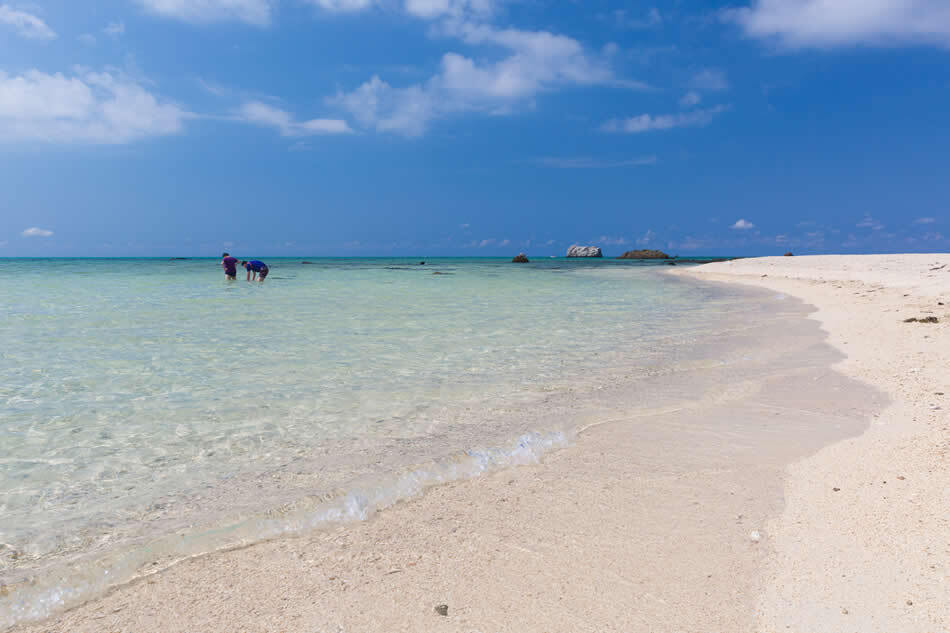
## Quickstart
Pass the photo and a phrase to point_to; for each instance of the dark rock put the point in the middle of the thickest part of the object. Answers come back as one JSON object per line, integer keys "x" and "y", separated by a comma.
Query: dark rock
{"x": 671, "y": 263}
{"x": 584, "y": 251}
{"x": 644, "y": 254}
{"x": 422, "y": 263}
{"x": 927, "y": 319}
{"x": 305, "y": 262}
{"x": 442, "y": 609}
{"x": 789, "y": 254}
{"x": 520, "y": 258}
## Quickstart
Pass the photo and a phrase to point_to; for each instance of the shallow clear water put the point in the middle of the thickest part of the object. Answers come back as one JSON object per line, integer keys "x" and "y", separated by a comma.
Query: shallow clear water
{"x": 151, "y": 409}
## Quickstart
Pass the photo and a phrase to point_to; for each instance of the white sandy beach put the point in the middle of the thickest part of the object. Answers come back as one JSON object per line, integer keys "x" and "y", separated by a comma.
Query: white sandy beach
{"x": 864, "y": 541}
{"x": 765, "y": 504}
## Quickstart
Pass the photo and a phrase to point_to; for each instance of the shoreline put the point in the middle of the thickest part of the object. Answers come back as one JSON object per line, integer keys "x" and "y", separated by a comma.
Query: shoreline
{"x": 672, "y": 546}
{"x": 862, "y": 543}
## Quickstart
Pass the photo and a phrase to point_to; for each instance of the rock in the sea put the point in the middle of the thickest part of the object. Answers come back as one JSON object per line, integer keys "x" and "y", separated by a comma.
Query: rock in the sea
{"x": 789, "y": 254}
{"x": 520, "y": 258}
{"x": 442, "y": 609}
{"x": 644, "y": 254}
{"x": 584, "y": 251}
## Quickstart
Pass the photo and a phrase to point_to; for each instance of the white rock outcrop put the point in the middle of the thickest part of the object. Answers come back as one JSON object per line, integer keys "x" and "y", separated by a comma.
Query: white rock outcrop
{"x": 584, "y": 251}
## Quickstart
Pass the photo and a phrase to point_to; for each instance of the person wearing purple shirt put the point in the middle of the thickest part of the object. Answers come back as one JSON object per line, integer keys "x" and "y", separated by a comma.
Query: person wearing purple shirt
{"x": 230, "y": 266}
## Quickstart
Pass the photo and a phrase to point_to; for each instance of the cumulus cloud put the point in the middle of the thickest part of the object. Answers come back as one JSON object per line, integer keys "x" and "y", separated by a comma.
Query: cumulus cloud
{"x": 653, "y": 122}
{"x": 925, "y": 220}
{"x": 87, "y": 38}
{"x": 586, "y": 162}
{"x": 742, "y": 225}
{"x": 256, "y": 12}
{"x": 88, "y": 107}
{"x": 830, "y": 23}
{"x": 35, "y": 231}
{"x": 26, "y": 24}
{"x": 268, "y": 116}
{"x": 534, "y": 62}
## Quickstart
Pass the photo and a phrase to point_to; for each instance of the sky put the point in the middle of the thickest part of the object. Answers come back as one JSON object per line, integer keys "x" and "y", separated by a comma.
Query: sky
{"x": 473, "y": 127}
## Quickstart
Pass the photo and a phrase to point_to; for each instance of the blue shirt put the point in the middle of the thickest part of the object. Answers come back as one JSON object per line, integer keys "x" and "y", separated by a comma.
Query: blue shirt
{"x": 255, "y": 265}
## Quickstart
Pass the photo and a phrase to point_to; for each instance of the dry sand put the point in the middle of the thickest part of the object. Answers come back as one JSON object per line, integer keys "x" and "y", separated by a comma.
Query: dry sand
{"x": 672, "y": 520}
{"x": 864, "y": 541}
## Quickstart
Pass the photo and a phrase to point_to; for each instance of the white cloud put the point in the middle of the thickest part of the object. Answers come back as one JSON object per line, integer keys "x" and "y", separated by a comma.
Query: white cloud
{"x": 650, "y": 122}
{"x": 585, "y": 162}
{"x": 87, "y": 38}
{"x": 266, "y": 115}
{"x": 256, "y": 12}
{"x": 690, "y": 99}
{"x": 88, "y": 107}
{"x": 830, "y": 23}
{"x": 26, "y": 24}
{"x": 925, "y": 220}
{"x": 742, "y": 225}
{"x": 425, "y": 9}
{"x": 710, "y": 80}
{"x": 870, "y": 223}
{"x": 504, "y": 242}
{"x": 648, "y": 237}
{"x": 114, "y": 29}
{"x": 612, "y": 241}
{"x": 464, "y": 226}
{"x": 535, "y": 62}
{"x": 343, "y": 5}
{"x": 486, "y": 242}
{"x": 430, "y": 9}
{"x": 35, "y": 231}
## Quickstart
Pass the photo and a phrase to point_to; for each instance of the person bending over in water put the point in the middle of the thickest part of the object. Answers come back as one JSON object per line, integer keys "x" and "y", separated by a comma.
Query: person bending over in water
{"x": 258, "y": 268}
{"x": 230, "y": 266}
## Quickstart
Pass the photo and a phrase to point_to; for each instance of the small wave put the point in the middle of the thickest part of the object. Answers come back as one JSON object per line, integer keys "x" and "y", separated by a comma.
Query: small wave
{"x": 53, "y": 592}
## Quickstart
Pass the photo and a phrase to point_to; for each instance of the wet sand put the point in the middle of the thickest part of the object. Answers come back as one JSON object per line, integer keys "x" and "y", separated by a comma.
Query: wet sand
{"x": 680, "y": 516}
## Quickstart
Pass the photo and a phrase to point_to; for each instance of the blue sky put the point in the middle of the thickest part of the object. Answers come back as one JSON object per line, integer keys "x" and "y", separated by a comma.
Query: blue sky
{"x": 473, "y": 127}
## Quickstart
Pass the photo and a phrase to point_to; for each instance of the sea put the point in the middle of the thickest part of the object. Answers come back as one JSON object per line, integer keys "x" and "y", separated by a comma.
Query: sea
{"x": 151, "y": 410}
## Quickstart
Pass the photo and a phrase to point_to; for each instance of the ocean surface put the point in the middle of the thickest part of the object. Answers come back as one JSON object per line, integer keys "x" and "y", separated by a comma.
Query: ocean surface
{"x": 152, "y": 410}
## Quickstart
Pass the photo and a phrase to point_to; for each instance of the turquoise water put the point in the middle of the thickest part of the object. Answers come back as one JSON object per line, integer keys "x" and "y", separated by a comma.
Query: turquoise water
{"x": 153, "y": 410}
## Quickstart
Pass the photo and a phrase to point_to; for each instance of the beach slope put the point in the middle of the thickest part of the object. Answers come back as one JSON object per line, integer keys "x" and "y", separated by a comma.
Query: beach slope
{"x": 864, "y": 541}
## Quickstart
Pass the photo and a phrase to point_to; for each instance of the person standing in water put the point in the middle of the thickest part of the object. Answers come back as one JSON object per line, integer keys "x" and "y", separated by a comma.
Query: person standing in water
{"x": 257, "y": 267}
{"x": 230, "y": 266}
